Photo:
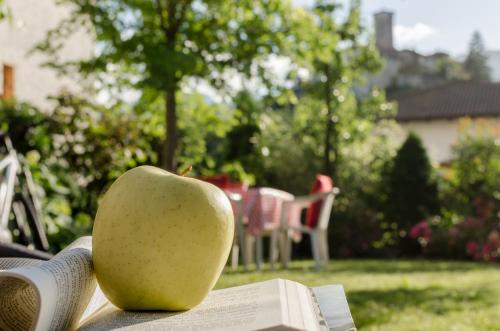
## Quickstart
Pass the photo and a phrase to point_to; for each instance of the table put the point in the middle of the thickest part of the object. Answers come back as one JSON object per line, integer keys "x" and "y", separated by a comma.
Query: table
{"x": 259, "y": 214}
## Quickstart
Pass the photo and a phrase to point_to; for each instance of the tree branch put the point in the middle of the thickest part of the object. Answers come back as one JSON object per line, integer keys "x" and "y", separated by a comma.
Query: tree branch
{"x": 159, "y": 9}
{"x": 182, "y": 12}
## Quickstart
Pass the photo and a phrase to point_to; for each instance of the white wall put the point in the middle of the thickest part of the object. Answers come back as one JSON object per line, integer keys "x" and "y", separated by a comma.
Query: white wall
{"x": 31, "y": 19}
{"x": 439, "y": 136}
{"x": 494, "y": 64}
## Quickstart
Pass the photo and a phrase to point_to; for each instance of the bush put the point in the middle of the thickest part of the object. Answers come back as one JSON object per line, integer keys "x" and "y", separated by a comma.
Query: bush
{"x": 75, "y": 153}
{"x": 358, "y": 227}
{"x": 468, "y": 226}
{"x": 291, "y": 149}
{"x": 411, "y": 193}
{"x": 80, "y": 148}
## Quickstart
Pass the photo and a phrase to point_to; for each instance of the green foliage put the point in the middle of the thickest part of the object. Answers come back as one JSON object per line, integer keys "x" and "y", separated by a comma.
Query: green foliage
{"x": 290, "y": 146}
{"x": 468, "y": 226}
{"x": 475, "y": 171}
{"x": 412, "y": 191}
{"x": 476, "y": 62}
{"x": 165, "y": 41}
{"x": 337, "y": 57}
{"x": 205, "y": 130}
{"x": 75, "y": 153}
{"x": 158, "y": 44}
{"x": 282, "y": 139}
{"x": 411, "y": 195}
{"x": 4, "y": 10}
{"x": 358, "y": 224}
{"x": 79, "y": 149}
{"x": 449, "y": 70}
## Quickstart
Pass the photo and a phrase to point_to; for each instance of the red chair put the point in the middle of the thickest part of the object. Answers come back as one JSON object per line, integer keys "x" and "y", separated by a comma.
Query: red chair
{"x": 221, "y": 181}
{"x": 319, "y": 207}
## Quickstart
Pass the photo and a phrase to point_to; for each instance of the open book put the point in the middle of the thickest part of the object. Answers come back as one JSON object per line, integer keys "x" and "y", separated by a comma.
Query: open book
{"x": 62, "y": 294}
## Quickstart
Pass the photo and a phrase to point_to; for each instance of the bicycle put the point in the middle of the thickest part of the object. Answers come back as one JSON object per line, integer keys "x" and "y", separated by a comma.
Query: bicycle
{"x": 20, "y": 208}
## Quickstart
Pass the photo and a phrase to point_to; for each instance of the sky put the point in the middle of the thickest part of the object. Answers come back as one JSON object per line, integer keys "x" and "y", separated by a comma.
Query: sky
{"x": 436, "y": 25}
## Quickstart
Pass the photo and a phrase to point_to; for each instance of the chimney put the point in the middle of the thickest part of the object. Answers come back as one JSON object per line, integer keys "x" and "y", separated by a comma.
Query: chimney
{"x": 8, "y": 82}
{"x": 383, "y": 31}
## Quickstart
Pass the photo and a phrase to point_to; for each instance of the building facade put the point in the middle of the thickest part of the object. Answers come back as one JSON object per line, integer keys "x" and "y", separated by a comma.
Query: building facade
{"x": 428, "y": 103}
{"x": 21, "y": 72}
{"x": 493, "y": 58}
{"x": 438, "y": 114}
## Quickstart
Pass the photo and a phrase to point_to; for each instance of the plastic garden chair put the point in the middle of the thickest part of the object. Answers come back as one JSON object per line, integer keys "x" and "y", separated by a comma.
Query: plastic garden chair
{"x": 236, "y": 200}
{"x": 319, "y": 207}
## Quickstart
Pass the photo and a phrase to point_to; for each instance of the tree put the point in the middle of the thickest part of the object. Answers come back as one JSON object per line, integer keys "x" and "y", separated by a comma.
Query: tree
{"x": 412, "y": 193}
{"x": 450, "y": 70}
{"x": 158, "y": 44}
{"x": 476, "y": 62}
{"x": 337, "y": 58}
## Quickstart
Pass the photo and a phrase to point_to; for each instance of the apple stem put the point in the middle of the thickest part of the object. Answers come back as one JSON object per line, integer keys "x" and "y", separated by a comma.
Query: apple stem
{"x": 186, "y": 171}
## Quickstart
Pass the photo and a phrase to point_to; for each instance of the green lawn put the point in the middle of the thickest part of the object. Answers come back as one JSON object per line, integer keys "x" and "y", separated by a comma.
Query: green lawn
{"x": 402, "y": 295}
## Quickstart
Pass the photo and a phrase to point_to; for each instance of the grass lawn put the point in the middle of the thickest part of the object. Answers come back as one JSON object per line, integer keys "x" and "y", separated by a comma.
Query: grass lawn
{"x": 402, "y": 295}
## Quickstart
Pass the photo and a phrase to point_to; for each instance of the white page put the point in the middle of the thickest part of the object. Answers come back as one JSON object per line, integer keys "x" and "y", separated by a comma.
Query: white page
{"x": 21, "y": 306}
{"x": 59, "y": 289}
{"x": 257, "y": 306}
{"x": 97, "y": 302}
{"x": 7, "y": 263}
{"x": 298, "y": 305}
{"x": 309, "y": 318}
{"x": 73, "y": 273}
{"x": 334, "y": 307}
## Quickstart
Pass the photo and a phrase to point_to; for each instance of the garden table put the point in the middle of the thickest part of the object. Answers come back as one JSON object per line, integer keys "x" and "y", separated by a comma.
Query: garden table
{"x": 261, "y": 210}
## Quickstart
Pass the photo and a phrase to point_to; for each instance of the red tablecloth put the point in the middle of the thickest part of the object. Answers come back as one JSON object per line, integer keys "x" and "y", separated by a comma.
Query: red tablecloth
{"x": 262, "y": 209}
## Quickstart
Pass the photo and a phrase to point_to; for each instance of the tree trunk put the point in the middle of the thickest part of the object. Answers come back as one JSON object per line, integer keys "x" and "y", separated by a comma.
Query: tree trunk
{"x": 327, "y": 162}
{"x": 169, "y": 161}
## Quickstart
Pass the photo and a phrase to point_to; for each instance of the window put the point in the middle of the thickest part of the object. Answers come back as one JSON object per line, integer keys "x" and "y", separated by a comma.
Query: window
{"x": 8, "y": 82}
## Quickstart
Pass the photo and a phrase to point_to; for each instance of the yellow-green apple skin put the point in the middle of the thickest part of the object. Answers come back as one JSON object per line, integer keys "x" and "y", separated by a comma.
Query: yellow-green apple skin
{"x": 160, "y": 241}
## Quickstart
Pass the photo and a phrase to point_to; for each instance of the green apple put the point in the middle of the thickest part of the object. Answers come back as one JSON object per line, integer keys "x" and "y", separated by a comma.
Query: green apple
{"x": 160, "y": 241}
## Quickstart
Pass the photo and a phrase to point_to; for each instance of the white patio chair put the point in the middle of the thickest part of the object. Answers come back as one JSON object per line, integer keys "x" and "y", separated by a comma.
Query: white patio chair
{"x": 318, "y": 234}
{"x": 239, "y": 231}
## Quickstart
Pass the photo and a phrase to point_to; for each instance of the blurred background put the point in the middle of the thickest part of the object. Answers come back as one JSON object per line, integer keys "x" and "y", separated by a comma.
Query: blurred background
{"x": 398, "y": 103}
{"x": 395, "y": 101}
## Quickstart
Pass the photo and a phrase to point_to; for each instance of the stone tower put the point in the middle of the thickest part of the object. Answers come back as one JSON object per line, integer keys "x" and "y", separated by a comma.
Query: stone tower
{"x": 383, "y": 31}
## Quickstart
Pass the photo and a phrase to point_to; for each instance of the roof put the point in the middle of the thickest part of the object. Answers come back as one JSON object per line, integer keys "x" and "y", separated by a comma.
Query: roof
{"x": 449, "y": 101}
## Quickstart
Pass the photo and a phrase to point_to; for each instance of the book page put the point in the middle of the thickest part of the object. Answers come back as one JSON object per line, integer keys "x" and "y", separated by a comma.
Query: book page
{"x": 21, "y": 307}
{"x": 7, "y": 263}
{"x": 257, "y": 306}
{"x": 73, "y": 273}
{"x": 334, "y": 307}
{"x": 97, "y": 302}
{"x": 299, "y": 307}
{"x": 18, "y": 297}
{"x": 17, "y": 304}
{"x": 59, "y": 289}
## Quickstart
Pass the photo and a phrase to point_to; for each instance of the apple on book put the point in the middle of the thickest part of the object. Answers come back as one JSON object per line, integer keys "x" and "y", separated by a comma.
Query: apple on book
{"x": 160, "y": 240}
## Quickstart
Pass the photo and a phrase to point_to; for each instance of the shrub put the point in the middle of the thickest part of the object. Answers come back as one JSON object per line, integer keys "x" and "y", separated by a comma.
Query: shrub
{"x": 411, "y": 193}
{"x": 468, "y": 226}
{"x": 75, "y": 153}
